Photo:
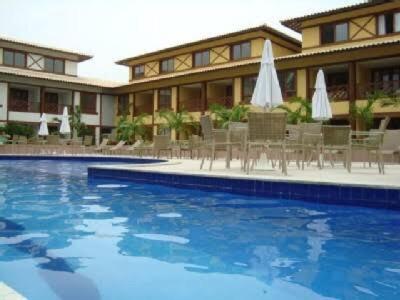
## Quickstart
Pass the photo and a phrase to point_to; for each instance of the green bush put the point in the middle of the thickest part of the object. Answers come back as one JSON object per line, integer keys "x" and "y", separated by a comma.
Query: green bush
{"x": 19, "y": 129}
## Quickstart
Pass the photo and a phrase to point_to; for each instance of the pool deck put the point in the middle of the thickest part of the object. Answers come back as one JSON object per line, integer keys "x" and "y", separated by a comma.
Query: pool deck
{"x": 360, "y": 175}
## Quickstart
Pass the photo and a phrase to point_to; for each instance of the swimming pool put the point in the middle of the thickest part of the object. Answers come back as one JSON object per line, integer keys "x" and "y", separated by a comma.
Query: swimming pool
{"x": 64, "y": 238}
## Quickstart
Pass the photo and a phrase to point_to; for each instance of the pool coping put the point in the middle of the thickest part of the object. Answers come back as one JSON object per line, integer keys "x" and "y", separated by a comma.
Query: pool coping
{"x": 355, "y": 194}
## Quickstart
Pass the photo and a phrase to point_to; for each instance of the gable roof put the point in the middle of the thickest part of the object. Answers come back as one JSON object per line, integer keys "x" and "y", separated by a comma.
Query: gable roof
{"x": 81, "y": 56}
{"x": 295, "y": 23}
{"x": 263, "y": 27}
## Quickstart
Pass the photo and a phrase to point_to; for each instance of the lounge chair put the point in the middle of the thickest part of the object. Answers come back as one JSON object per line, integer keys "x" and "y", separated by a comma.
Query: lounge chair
{"x": 267, "y": 131}
{"x": 131, "y": 149}
{"x": 115, "y": 149}
{"x": 102, "y": 146}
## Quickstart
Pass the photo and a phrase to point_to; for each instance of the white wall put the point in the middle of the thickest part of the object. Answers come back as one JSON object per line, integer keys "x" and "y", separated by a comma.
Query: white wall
{"x": 3, "y": 100}
{"x": 71, "y": 68}
{"x": 26, "y": 117}
{"x": 107, "y": 111}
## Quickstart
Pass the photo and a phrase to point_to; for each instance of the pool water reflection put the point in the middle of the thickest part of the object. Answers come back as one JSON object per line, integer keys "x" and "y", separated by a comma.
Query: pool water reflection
{"x": 64, "y": 238}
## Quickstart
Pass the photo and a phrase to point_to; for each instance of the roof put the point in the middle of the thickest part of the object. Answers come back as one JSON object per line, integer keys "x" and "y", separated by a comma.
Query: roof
{"x": 295, "y": 23}
{"x": 58, "y": 78}
{"x": 81, "y": 56}
{"x": 341, "y": 48}
{"x": 197, "y": 70}
{"x": 254, "y": 61}
{"x": 263, "y": 27}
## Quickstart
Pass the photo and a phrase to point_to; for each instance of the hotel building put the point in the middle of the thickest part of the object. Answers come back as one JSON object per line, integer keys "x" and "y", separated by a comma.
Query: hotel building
{"x": 357, "y": 46}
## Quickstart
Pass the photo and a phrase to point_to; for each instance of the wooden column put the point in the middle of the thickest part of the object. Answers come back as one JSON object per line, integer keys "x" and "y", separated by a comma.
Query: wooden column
{"x": 352, "y": 90}
{"x": 204, "y": 96}
{"x": 308, "y": 84}
{"x": 41, "y": 95}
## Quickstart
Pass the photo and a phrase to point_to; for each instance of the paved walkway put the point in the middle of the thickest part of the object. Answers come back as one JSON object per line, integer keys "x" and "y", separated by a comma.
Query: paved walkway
{"x": 337, "y": 175}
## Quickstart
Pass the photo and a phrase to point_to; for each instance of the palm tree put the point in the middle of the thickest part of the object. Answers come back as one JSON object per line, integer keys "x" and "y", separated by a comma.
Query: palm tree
{"x": 224, "y": 115}
{"x": 181, "y": 122}
{"x": 303, "y": 112}
{"x": 364, "y": 113}
{"x": 128, "y": 130}
{"x": 77, "y": 125}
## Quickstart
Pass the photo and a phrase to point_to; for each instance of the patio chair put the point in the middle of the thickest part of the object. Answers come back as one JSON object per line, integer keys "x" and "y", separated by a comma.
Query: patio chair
{"x": 214, "y": 140}
{"x": 102, "y": 146}
{"x": 88, "y": 140}
{"x": 336, "y": 140}
{"x": 370, "y": 142}
{"x": 161, "y": 143}
{"x": 268, "y": 132}
{"x": 53, "y": 140}
{"x": 311, "y": 141}
{"x": 384, "y": 123}
{"x": 293, "y": 143}
{"x": 391, "y": 144}
{"x": 237, "y": 135}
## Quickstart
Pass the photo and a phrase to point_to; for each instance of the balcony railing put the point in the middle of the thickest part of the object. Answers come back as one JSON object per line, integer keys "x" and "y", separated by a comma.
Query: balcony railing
{"x": 191, "y": 105}
{"x": 56, "y": 109}
{"x": 389, "y": 88}
{"x": 335, "y": 92}
{"x": 224, "y": 101}
{"x": 143, "y": 109}
{"x": 24, "y": 106}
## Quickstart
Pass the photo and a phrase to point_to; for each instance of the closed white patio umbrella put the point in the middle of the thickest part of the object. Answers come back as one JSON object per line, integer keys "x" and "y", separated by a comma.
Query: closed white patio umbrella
{"x": 267, "y": 92}
{"x": 43, "y": 130}
{"x": 321, "y": 108}
{"x": 65, "y": 128}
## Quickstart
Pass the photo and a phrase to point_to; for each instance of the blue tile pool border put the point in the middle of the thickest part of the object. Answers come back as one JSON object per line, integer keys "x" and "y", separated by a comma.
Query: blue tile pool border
{"x": 365, "y": 196}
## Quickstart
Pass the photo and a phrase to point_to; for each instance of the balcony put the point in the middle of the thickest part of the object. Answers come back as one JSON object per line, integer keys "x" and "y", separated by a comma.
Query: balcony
{"x": 224, "y": 101}
{"x": 56, "y": 109}
{"x": 389, "y": 88}
{"x": 24, "y": 106}
{"x": 338, "y": 92}
{"x": 191, "y": 105}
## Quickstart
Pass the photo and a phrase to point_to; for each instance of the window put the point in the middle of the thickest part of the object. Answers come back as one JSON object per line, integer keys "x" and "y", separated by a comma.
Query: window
{"x": 167, "y": 65}
{"x": 331, "y": 33}
{"x": 123, "y": 105}
{"x": 19, "y": 100}
{"x": 14, "y": 58}
{"x": 287, "y": 82}
{"x": 387, "y": 80}
{"x": 138, "y": 71}
{"x": 240, "y": 51}
{"x": 53, "y": 65}
{"x": 88, "y": 103}
{"x": 389, "y": 23}
{"x": 248, "y": 85}
{"x": 164, "y": 99}
{"x": 202, "y": 58}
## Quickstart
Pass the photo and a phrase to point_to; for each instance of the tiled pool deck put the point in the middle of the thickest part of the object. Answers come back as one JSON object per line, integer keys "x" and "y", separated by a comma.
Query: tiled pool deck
{"x": 364, "y": 186}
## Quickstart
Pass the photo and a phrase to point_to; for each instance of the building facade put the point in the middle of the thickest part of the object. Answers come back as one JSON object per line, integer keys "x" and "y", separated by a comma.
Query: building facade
{"x": 357, "y": 47}
{"x": 36, "y": 79}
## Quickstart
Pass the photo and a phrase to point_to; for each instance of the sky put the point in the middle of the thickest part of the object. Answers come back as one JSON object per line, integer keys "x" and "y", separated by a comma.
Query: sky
{"x": 115, "y": 29}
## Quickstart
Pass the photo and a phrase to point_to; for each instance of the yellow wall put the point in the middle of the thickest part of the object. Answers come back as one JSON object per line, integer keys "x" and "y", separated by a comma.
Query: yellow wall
{"x": 237, "y": 90}
{"x": 301, "y": 83}
{"x": 356, "y": 33}
{"x": 183, "y": 62}
{"x": 310, "y": 37}
{"x": 219, "y": 55}
{"x": 340, "y": 107}
{"x": 257, "y": 46}
{"x": 151, "y": 69}
{"x": 1, "y": 56}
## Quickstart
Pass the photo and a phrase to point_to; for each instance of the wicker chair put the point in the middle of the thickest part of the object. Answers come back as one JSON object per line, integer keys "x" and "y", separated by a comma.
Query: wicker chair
{"x": 102, "y": 146}
{"x": 311, "y": 141}
{"x": 214, "y": 140}
{"x": 391, "y": 143}
{"x": 370, "y": 142}
{"x": 267, "y": 131}
{"x": 336, "y": 139}
{"x": 161, "y": 143}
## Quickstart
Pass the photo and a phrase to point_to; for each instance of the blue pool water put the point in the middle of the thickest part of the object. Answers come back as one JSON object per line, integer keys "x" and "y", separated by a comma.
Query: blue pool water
{"x": 64, "y": 238}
